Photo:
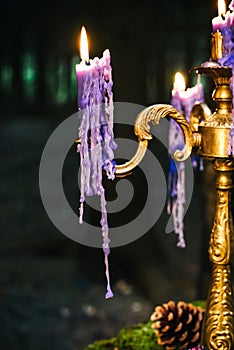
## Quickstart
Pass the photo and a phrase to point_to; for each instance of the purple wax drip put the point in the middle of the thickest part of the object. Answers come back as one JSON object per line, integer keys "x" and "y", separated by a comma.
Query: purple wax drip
{"x": 109, "y": 294}
{"x": 107, "y": 115}
{"x": 106, "y": 241}
{"x": 183, "y": 101}
{"x": 97, "y": 141}
{"x": 227, "y": 41}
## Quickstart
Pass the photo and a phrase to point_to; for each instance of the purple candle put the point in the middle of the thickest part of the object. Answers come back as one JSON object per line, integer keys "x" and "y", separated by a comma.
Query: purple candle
{"x": 220, "y": 22}
{"x": 183, "y": 100}
{"x": 224, "y": 24}
{"x": 227, "y": 30}
{"x": 96, "y": 146}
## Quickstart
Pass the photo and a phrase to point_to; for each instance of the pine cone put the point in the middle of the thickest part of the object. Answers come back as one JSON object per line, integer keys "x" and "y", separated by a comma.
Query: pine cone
{"x": 177, "y": 325}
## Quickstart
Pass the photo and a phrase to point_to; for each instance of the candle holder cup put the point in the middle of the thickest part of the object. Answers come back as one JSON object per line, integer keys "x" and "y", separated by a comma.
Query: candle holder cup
{"x": 208, "y": 136}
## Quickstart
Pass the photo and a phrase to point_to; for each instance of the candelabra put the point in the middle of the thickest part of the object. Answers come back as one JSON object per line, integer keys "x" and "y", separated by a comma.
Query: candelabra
{"x": 207, "y": 135}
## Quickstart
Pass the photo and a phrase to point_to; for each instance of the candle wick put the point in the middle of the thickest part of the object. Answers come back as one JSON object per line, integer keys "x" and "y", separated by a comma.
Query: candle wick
{"x": 85, "y": 62}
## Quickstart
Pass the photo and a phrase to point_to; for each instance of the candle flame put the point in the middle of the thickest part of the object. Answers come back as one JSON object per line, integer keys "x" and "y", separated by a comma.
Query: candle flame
{"x": 221, "y": 7}
{"x": 179, "y": 82}
{"x": 84, "y": 47}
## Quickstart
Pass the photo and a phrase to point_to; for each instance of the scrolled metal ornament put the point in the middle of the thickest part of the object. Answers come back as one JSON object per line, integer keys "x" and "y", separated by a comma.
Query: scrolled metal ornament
{"x": 218, "y": 331}
{"x": 154, "y": 114}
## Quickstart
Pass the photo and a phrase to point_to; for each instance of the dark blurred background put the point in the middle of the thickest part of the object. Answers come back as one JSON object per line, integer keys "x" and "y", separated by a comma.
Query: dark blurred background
{"x": 51, "y": 288}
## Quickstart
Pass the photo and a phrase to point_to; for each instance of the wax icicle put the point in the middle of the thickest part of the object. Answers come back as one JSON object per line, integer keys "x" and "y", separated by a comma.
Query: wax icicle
{"x": 183, "y": 101}
{"x": 178, "y": 207}
{"x": 107, "y": 117}
{"x": 176, "y": 184}
{"x": 106, "y": 242}
{"x": 96, "y": 146}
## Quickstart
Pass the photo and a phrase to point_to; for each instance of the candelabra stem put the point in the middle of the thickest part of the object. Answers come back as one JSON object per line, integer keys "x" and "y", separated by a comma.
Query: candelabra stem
{"x": 218, "y": 328}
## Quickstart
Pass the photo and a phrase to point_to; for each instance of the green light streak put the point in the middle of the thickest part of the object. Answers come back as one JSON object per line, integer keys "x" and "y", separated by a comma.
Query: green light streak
{"x": 6, "y": 78}
{"x": 29, "y": 75}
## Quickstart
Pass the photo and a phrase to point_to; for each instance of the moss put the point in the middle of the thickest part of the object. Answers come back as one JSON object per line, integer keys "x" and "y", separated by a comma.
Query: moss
{"x": 201, "y": 303}
{"x": 109, "y": 344}
{"x": 136, "y": 337}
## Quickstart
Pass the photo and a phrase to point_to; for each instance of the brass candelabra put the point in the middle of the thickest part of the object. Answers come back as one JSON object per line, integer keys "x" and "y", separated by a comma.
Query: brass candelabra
{"x": 208, "y": 136}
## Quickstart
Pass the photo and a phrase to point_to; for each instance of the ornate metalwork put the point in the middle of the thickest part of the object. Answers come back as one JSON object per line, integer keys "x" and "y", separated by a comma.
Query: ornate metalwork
{"x": 220, "y": 239}
{"x": 126, "y": 168}
{"x": 208, "y": 135}
{"x": 199, "y": 114}
{"x": 222, "y": 117}
{"x": 218, "y": 325}
{"x": 142, "y": 130}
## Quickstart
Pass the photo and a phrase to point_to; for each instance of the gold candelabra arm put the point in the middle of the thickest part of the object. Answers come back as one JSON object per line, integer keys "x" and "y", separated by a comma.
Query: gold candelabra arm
{"x": 126, "y": 168}
{"x": 154, "y": 114}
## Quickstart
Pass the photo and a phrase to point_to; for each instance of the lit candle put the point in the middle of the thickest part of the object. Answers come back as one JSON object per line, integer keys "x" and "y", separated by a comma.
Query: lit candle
{"x": 83, "y": 69}
{"x": 178, "y": 88}
{"x": 183, "y": 100}
{"x": 220, "y": 22}
{"x": 227, "y": 38}
{"x": 227, "y": 58}
{"x": 224, "y": 24}
{"x": 96, "y": 146}
{"x": 190, "y": 96}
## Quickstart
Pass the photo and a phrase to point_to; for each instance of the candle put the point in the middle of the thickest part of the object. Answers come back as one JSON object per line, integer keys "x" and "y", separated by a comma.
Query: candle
{"x": 183, "y": 100}
{"x": 178, "y": 88}
{"x": 227, "y": 58}
{"x": 83, "y": 69}
{"x": 190, "y": 96}
{"x": 96, "y": 146}
{"x": 224, "y": 23}
{"x": 219, "y": 23}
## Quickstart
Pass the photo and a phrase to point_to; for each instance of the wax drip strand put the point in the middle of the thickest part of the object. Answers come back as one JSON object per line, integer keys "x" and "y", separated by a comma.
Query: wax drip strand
{"x": 178, "y": 208}
{"x": 183, "y": 101}
{"x": 97, "y": 144}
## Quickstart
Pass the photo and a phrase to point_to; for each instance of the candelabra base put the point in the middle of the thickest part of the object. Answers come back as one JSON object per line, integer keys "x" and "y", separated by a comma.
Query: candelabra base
{"x": 218, "y": 327}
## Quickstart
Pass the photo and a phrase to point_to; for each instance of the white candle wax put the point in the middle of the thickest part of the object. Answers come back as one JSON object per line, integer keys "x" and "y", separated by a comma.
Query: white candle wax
{"x": 220, "y": 22}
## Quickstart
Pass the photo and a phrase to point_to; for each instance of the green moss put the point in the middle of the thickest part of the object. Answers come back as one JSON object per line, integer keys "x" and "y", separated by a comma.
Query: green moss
{"x": 136, "y": 337}
{"x": 201, "y": 303}
{"x": 108, "y": 344}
